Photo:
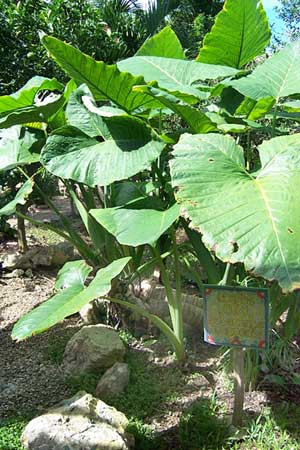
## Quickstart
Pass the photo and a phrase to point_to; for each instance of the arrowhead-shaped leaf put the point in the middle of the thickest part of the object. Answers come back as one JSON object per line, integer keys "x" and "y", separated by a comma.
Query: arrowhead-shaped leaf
{"x": 136, "y": 227}
{"x": 20, "y": 199}
{"x": 72, "y": 274}
{"x": 69, "y": 300}
{"x": 249, "y": 217}
{"x": 177, "y": 76}
{"x": 277, "y": 77}
{"x": 26, "y": 95}
{"x": 71, "y": 154}
{"x": 105, "y": 81}
{"x": 19, "y": 146}
{"x": 165, "y": 44}
{"x": 22, "y": 106}
{"x": 241, "y": 32}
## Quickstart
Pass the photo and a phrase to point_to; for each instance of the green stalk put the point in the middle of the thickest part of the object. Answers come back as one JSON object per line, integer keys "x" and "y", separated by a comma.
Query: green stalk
{"x": 274, "y": 119}
{"x": 45, "y": 226}
{"x": 178, "y": 297}
{"x": 172, "y": 303}
{"x": 166, "y": 330}
{"x": 77, "y": 241}
{"x": 248, "y": 151}
{"x": 224, "y": 280}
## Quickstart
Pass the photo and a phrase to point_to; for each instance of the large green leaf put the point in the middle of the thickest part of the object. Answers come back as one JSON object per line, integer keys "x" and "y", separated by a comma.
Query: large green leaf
{"x": 24, "y": 106}
{"x": 197, "y": 120}
{"x": 82, "y": 113}
{"x": 277, "y": 77}
{"x": 20, "y": 199}
{"x": 136, "y": 227}
{"x": 241, "y": 32}
{"x": 176, "y": 76}
{"x": 105, "y": 81}
{"x": 259, "y": 221}
{"x": 19, "y": 146}
{"x": 129, "y": 191}
{"x": 69, "y": 300}
{"x": 165, "y": 44}
{"x": 26, "y": 95}
{"x": 71, "y": 154}
{"x": 31, "y": 114}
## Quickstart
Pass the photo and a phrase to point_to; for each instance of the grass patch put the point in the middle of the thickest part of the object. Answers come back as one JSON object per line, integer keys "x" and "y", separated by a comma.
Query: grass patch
{"x": 55, "y": 349}
{"x": 10, "y": 433}
{"x": 150, "y": 386}
{"x": 84, "y": 382}
{"x": 201, "y": 428}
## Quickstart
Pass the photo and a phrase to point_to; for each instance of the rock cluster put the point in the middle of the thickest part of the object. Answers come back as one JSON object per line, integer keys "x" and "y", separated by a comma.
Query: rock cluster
{"x": 51, "y": 255}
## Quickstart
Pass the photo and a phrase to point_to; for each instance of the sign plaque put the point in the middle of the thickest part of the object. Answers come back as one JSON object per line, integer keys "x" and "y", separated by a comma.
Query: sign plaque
{"x": 236, "y": 316}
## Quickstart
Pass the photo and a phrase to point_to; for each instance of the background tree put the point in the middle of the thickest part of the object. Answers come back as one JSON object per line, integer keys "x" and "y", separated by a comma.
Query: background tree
{"x": 289, "y": 12}
{"x": 191, "y": 20}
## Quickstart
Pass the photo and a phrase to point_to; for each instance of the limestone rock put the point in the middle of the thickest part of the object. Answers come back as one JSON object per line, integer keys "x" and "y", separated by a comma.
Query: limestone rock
{"x": 52, "y": 255}
{"x": 114, "y": 381}
{"x": 93, "y": 348}
{"x": 79, "y": 423}
{"x": 62, "y": 253}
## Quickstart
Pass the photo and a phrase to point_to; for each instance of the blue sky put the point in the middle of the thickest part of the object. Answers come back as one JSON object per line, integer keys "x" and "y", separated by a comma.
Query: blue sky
{"x": 273, "y": 17}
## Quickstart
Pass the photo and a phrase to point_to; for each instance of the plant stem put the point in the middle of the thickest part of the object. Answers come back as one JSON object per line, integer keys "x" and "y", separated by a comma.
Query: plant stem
{"x": 224, "y": 280}
{"x": 274, "y": 119}
{"x": 45, "y": 226}
{"x": 22, "y": 241}
{"x": 175, "y": 312}
{"x": 178, "y": 297}
{"x": 177, "y": 345}
{"x": 248, "y": 151}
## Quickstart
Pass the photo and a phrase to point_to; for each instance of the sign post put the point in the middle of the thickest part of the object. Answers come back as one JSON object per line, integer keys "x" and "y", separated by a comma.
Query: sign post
{"x": 237, "y": 317}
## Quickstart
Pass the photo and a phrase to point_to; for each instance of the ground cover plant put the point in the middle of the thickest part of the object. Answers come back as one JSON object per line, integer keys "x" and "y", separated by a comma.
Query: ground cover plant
{"x": 152, "y": 146}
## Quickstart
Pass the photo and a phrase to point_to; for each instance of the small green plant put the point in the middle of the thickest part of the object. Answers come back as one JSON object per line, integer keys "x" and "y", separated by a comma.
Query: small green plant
{"x": 10, "y": 433}
{"x": 144, "y": 435}
{"x": 270, "y": 430}
{"x": 126, "y": 337}
{"x": 55, "y": 350}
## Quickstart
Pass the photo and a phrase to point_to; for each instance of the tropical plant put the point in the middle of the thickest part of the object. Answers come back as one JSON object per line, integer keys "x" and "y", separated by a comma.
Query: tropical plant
{"x": 158, "y": 142}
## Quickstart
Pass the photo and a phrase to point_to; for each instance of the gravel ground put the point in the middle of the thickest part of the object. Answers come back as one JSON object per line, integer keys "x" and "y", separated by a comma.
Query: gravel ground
{"x": 29, "y": 381}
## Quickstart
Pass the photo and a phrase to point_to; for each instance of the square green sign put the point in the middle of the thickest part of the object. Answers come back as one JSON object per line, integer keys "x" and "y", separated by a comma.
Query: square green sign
{"x": 236, "y": 316}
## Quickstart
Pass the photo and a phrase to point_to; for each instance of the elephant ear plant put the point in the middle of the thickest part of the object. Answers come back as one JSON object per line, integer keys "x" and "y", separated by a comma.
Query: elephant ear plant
{"x": 156, "y": 143}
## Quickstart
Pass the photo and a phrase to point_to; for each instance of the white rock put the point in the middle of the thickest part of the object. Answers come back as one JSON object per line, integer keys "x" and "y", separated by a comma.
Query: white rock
{"x": 79, "y": 423}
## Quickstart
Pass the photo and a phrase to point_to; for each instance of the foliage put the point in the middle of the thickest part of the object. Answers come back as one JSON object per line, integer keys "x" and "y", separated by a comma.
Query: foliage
{"x": 10, "y": 433}
{"x": 289, "y": 12}
{"x": 200, "y": 427}
{"x": 131, "y": 140}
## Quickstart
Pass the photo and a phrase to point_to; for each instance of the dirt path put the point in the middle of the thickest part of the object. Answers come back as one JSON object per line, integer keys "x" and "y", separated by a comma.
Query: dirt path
{"x": 28, "y": 379}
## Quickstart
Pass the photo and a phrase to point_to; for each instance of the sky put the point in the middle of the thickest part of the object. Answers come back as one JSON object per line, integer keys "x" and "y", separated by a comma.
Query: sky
{"x": 274, "y": 20}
